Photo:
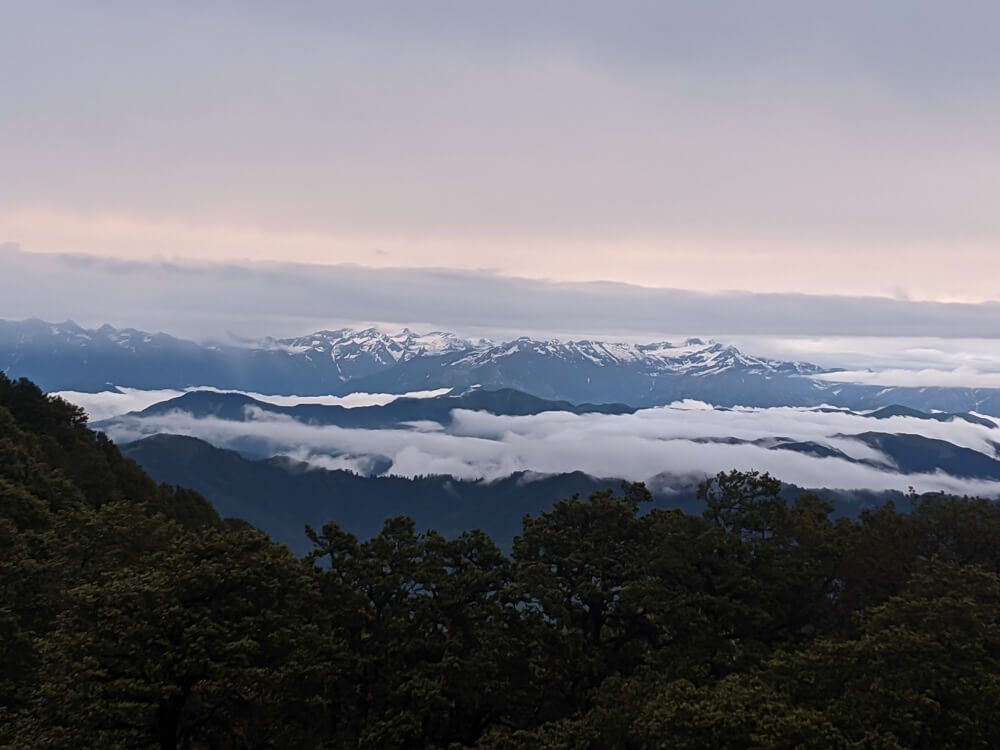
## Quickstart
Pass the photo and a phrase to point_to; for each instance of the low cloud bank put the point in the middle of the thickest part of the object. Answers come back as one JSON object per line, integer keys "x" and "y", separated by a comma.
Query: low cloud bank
{"x": 960, "y": 377}
{"x": 108, "y": 404}
{"x": 232, "y": 301}
{"x": 955, "y": 357}
{"x": 279, "y": 299}
{"x": 682, "y": 439}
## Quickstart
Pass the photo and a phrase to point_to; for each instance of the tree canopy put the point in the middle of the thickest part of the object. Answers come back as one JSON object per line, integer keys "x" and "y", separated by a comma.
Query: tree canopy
{"x": 132, "y": 616}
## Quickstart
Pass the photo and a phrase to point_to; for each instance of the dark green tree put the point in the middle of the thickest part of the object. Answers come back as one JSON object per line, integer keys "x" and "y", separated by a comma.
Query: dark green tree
{"x": 207, "y": 642}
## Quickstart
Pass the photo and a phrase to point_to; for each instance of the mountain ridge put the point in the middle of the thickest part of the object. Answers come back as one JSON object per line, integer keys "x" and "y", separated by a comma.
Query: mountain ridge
{"x": 59, "y": 356}
{"x": 337, "y": 362}
{"x": 250, "y": 488}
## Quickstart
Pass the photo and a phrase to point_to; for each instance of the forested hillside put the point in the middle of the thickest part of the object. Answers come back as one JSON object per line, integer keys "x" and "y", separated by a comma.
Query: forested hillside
{"x": 132, "y": 616}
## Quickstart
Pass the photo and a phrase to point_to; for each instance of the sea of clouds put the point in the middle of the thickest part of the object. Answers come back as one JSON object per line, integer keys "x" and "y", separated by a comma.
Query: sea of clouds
{"x": 682, "y": 440}
{"x": 122, "y": 400}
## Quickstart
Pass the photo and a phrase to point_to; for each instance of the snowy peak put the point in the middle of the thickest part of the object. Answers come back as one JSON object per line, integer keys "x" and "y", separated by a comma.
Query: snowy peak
{"x": 387, "y": 348}
{"x": 433, "y": 343}
{"x": 34, "y": 332}
{"x": 697, "y": 357}
{"x": 693, "y": 357}
{"x": 357, "y": 353}
{"x": 66, "y": 356}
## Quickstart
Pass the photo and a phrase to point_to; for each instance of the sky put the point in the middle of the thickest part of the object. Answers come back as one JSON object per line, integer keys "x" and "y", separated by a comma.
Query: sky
{"x": 908, "y": 342}
{"x": 743, "y": 152}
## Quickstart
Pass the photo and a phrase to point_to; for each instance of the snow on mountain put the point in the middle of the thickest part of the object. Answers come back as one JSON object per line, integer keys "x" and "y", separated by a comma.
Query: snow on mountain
{"x": 694, "y": 357}
{"x": 386, "y": 348}
{"x": 65, "y": 356}
{"x": 355, "y": 353}
{"x": 68, "y": 333}
{"x": 351, "y": 354}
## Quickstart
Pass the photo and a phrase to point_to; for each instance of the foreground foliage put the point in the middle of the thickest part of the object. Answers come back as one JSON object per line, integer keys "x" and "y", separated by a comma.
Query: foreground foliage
{"x": 132, "y": 616}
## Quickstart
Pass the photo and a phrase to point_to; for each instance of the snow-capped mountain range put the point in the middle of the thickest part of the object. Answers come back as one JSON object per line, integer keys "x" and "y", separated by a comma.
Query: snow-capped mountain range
{"x": 356, "y": 353}
{"x": 693, "y": 357}
{"x": 65, "y": 356}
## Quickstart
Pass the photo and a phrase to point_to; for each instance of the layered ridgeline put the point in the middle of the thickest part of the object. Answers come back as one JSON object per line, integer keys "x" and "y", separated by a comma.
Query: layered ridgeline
{"x": 484, "y": 458}
{"x": 67, "y": 357}
{"x": 132, "y": 616}
{"x": 281, "y": 495}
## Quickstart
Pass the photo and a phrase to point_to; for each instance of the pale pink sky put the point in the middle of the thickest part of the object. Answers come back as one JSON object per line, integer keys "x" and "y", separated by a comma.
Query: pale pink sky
{"x": 839, "y": 148}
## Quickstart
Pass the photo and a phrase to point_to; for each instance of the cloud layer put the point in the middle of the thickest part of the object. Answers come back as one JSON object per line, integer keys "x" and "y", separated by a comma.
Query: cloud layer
{"x": 199, "y": 300}
{"x": 960, "y": 377}
{"x": 683, "y": 439}
{"x": 107, "y": 404}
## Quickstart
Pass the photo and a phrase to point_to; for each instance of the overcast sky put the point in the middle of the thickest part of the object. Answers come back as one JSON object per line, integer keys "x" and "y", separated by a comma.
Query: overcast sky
{"x": 830, "y": 148}
{"x": 214, "y": 301}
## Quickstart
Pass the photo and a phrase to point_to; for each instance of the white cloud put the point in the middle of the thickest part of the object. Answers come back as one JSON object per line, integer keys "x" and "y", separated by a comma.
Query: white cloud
{"x": 674, "y": 439}
{"x": 356, "y": 464}
{"x": 350, "y": 401}
{"x": 107, "y": 404}
{"x": 960, "y": 377}
{"x": 962, "y": 354}
{"x": 260, "y": 299}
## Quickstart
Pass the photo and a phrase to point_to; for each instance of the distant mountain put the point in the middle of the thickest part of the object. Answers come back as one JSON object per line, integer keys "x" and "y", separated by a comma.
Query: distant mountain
{"x": 896, "y": 410}
{"x": 240, "y": 407}
{"x": 65, "y": 356}
{"x": 281, "y": 496}
{"x": 913, "y": 454}
{"x": 352, "y": 354}
{"x": 946, "y": 400}
{"x": 637, "y": 374}
{"x": 254, "y": 428}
